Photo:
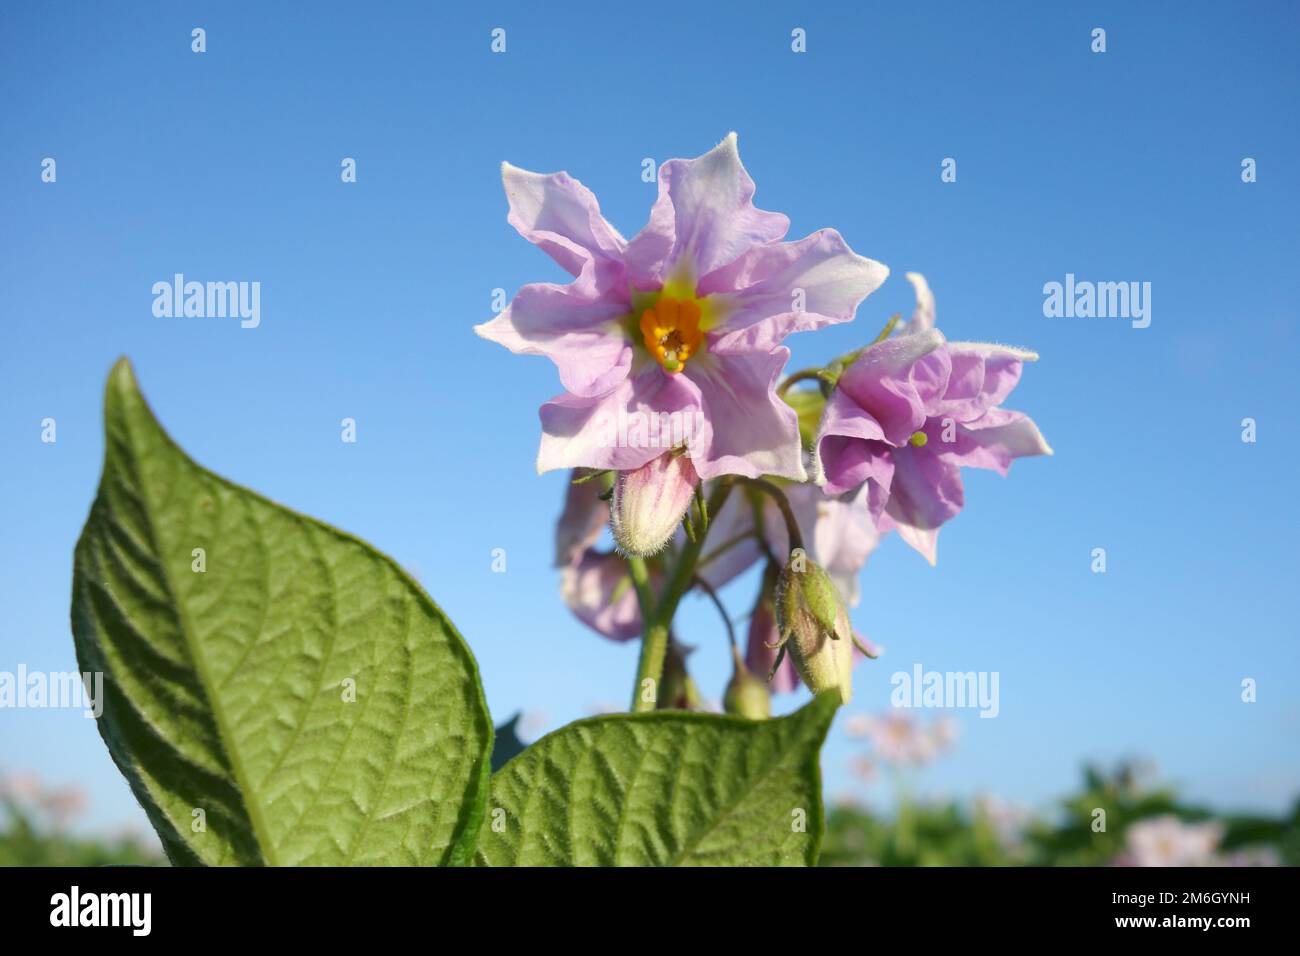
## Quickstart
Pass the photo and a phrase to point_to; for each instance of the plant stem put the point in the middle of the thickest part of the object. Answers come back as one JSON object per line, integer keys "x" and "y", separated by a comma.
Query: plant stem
{"x": 805, "y": 375}
{"x": 645, "y": 597}
{"x": 712, "y": 595}
{"x": 782, "y": 502}
{"x": 656, "y": 626}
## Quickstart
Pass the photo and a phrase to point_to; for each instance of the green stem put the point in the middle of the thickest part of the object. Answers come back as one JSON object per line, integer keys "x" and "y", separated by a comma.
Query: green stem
{"x": 712, "y": 595}
{"x": 645, "y": 597}
{"x": 782, "y": 502}
{"x": 808, "y": 374}
{"x": 657, "y": 625}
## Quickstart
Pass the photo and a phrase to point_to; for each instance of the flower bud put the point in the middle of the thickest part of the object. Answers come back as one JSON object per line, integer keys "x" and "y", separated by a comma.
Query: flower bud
{"x": 649, "y": 503}
{"x": 746, "y": 693}
{"x": 815, "y": 627}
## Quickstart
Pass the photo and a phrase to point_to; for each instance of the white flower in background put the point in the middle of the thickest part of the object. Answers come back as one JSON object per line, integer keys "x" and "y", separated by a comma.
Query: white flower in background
{"x": 1168, "y": 841}
{"x": 898, "y": 738}
{"x": 1007, "y": 820}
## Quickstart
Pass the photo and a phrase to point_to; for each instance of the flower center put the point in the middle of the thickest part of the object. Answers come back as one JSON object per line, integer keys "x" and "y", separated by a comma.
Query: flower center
{"x": 919, "y": 439}
{"x": 670, "y": 329}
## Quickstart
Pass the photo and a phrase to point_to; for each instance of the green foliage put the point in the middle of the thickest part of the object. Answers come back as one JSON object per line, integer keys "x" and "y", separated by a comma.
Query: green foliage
{"x": 286, "y": 694}
{"x": 23, "y": 842}
{"x": 663, "y": 789}
{"x": 920, "y": 835}
{"x": 950, "y": 834}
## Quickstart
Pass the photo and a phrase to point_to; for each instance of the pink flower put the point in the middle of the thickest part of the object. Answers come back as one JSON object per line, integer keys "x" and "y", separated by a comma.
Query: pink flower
{"x": 899, "y": 739}
{"x": 681, "y": 327}
{"x": 910, "y": 413}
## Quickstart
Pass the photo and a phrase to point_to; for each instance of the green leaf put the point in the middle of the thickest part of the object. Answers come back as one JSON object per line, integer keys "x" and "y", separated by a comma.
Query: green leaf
{"x": 227, "y": 689}
{"x": 663, "y": 789}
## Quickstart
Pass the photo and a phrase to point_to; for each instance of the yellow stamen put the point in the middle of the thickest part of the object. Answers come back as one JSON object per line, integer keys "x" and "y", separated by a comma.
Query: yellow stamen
{"x": 918, "y": 439}
{"x": 671, "y": 331}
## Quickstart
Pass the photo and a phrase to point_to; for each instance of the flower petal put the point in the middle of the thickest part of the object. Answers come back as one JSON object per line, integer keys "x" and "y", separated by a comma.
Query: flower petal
{"x": 994, "y": 441}
{"x": 599, "y": 592}
{"x": 561, "y": 216}
{"x": 762, "y": 283}
{"x": 983, "y": 375}
{"x": 583, "y": 519}
{"x": 647, "y": 414}
{"x": 923, "y": 314}
{"x": 575, "y": 326}
{"x": 898, "y": 382}
{"x": 926, "y": 492}
{"x": 703, "y": 219}
{"x": 748, "y": 429}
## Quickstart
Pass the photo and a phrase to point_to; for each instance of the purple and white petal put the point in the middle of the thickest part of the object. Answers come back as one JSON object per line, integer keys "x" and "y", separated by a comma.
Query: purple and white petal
{"x": 779, "y": 288}
{"x": 898, "y": 381}
{"x": 748, "y": 429}
{"x": 703, "y": 219}
{"x": 926, "y": 492}
{"x": 583, "y": 519}
{"x": 561, "y": 216}
{"x": 620, "y": 430}
{"x": 599, "y": 592}
{"x": 994, "y": 441}
{"x": 923, "y": 314}
{"x": 983, "y": 375}
{"x": 575, "y": 328}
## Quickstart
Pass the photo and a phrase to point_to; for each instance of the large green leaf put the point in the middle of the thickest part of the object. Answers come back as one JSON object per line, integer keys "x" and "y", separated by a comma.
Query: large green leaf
{"x": 663, "y": 789}
{"x": 301, "y": 691}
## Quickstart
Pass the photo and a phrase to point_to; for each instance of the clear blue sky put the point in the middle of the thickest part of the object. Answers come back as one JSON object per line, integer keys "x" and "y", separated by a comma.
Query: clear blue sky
{"x": 1118, "y": 166}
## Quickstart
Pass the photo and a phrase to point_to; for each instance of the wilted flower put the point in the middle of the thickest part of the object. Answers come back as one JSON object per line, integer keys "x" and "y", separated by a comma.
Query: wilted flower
{"x": 683, "y": 323}
{"x": 910, "y": 412}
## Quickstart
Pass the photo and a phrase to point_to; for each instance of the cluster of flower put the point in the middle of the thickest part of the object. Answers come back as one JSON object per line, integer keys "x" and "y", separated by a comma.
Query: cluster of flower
{"x": 685, "y": 323}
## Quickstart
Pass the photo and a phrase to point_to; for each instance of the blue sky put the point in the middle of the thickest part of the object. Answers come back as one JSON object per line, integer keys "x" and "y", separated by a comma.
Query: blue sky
{"x": 1122, "y": 166}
